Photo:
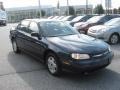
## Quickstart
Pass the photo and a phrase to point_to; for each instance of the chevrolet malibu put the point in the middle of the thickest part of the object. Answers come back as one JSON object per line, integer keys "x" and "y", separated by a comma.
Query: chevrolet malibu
{"x": 59, "y": 46}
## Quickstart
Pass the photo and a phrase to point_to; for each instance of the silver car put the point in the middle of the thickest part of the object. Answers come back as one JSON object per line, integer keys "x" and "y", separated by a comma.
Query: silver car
{"x": 109, "y": 32}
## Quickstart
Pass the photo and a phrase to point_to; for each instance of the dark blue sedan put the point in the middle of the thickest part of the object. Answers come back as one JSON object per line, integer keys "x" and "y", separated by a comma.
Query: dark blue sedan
{"x": 59, "y": 46}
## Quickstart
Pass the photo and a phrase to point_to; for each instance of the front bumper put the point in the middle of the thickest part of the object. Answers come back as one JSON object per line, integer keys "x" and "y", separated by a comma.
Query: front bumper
{"x": 2, "y": 21}
{"x": 89, "y": 65}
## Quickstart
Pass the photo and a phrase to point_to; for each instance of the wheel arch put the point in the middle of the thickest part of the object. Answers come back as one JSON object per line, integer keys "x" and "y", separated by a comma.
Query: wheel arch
{"x": 47, "y": 52}
{"x": 116, "y": 33}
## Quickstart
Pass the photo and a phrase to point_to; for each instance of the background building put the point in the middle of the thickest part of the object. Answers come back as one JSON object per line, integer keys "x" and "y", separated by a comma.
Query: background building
{"x": 79, "y": 9}
{"x": 18, "y": 14}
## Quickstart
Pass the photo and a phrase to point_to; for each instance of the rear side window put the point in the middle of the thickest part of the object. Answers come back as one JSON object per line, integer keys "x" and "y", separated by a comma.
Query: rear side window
{"x": 25, "y": 23}
{"x": 108, "y": 18}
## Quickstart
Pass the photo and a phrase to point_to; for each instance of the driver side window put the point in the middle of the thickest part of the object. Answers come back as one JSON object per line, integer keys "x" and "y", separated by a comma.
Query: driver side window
{"x": 33, "y": 27}
{"x": 23, "y": 26}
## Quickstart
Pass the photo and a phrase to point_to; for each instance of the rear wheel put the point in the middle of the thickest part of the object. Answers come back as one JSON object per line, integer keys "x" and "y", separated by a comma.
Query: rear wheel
{"x": 53, "y": 64}
{"x": 15, "y": 47}
{"x": 114, "y": 39}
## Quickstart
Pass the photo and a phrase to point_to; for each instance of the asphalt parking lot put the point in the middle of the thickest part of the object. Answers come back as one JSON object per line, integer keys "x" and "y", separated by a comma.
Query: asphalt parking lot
{"x": 22, "y": 72}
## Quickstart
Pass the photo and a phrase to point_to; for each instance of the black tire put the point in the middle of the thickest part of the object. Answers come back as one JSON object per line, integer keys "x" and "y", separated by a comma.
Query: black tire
{"x": 56, "y": 64}
{"x": 114, "y": 39}
{"x": 15, "y": 47}
{"x": 5, "y": 24}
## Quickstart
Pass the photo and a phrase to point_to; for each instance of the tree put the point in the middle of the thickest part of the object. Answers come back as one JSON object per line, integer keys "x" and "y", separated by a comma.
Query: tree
{"x": 115, "y": 11}
{"x": 42, "y": 12}
{"x": 119, "y": 10}
{"x": 99, "y": 9}
{"x": 71, "y": 10}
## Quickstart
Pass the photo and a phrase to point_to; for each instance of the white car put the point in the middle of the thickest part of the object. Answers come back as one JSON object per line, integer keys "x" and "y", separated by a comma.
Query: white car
{"x": 109, "y": 32}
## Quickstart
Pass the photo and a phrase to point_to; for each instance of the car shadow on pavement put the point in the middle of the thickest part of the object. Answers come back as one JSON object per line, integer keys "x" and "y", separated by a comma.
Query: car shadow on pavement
{"x": 115, "y": 47}
{"x": 34, "y": 74}
{"x": 23, "y": 62}
{"x": 116, "y": 50}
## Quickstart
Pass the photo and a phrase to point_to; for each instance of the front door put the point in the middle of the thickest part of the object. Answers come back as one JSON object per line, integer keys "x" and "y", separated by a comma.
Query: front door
{"x": 33, "y": 44}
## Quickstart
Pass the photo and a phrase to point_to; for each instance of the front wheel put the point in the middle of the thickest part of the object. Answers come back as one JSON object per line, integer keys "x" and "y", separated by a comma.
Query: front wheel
{"x": 53, "y": 64}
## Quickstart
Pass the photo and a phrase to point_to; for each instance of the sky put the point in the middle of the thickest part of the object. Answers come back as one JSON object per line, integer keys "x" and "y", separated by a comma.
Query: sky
{"x": 25, "y": 3}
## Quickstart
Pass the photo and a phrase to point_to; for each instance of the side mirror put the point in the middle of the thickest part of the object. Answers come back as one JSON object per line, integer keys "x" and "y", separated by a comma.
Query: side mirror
{"x": 34, "y": 34}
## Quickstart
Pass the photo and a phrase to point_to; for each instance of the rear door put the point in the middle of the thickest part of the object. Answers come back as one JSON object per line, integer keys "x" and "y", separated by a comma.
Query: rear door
{"x": 22, "y": 28}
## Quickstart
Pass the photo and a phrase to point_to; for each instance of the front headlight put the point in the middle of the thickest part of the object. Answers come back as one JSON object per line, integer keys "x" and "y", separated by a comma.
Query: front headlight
{"x": 80, "y": 56}
{"x": 101, "y": 31}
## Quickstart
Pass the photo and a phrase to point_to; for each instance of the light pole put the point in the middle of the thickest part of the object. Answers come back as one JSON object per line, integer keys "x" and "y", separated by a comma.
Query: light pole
{"x": 101, "y": 2}
{"x": 39, "y": 9}
{"x": 67, "y": 7}
{"x": 58, "y": 7}
{"x": 86, "y": 6}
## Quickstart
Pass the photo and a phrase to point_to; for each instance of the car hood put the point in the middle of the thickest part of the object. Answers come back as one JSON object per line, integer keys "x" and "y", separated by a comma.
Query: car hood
{"x": 81, "y": 25}
{"x": 101, "y": 27}
{"x": 79, "y": 44}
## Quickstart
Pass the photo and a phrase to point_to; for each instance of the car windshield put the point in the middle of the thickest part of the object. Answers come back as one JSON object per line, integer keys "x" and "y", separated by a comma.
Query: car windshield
{"x": 94, "y": 19}
{"x": 77, "y": 18}
{"x": 56, "y": 28}
{"x": 2, "y": 14}
{"x": 112, "y": 22}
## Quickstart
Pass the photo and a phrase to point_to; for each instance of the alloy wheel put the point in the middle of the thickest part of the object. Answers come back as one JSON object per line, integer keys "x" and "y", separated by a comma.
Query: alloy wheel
{"x": 52, "y": 66}
{"x": 114, "y": 39}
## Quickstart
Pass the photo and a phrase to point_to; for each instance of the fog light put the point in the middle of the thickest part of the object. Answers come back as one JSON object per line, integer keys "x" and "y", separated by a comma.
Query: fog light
{"x": 66, "y": 62}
